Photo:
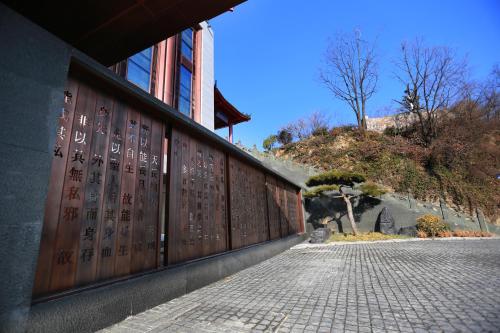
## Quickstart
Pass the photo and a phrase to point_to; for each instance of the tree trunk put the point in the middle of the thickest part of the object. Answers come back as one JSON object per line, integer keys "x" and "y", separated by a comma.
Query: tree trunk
{"x": 350, "y": 215}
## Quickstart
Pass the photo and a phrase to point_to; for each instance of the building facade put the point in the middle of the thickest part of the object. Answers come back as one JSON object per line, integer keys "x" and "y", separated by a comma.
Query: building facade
{"x": 179, "y": 71}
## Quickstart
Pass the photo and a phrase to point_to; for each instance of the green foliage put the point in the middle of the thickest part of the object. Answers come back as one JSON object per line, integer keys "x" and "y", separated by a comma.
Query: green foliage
{"x": 372, "y": 189}
{"x": 431, "y": 225}
{"x": 285, "y": 136}
{"x": 269, "y": 142}
{"x": 336, "y": 177}
{"x": 391, "y": 131}
{"x": 320, "y": 131}
{"x": 319, "y": 190}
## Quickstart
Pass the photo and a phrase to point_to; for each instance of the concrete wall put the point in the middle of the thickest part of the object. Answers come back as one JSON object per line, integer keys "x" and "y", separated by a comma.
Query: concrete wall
{"x": 94, "y": 309}
{"x": 207, "y": 76}
{"x": 404, "y": 209}
{"x": 33, "y": 72}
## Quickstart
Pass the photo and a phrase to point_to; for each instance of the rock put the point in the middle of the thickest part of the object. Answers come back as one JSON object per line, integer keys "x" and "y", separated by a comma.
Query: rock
{"x": 309, "y": 228}
{"x": 320, "y": 235}
{"x": 482, "y": 222}
{"x": 385, "y": 222}
{"x": 408, "y": 231}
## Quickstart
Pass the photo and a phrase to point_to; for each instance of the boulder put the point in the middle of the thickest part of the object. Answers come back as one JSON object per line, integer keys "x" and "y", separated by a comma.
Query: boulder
{"x": 408, "y": 231}
{"x": 386, "y": 223}
{"x": 320, "y": 235}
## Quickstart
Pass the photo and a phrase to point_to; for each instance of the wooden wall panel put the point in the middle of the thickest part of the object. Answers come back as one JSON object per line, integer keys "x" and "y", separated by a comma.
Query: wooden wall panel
{"x": 197, "y": 209}
{"x": 249, "y": 221}
{"x": 273, "y": 208}
{"x": 52, "y": 207}
{"x": 102, "y": 217}
{"x": 282, "y": 200}
{"x": 94, "y": 225}
{"x": 293, "y": 218}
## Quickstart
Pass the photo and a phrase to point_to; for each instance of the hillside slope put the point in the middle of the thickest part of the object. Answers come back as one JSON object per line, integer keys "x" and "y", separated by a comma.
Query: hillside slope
{"x": 463, "y": 176}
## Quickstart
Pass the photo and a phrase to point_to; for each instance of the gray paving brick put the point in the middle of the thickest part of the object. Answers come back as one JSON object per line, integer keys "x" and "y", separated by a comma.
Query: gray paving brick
{"x": 416, "y": 286}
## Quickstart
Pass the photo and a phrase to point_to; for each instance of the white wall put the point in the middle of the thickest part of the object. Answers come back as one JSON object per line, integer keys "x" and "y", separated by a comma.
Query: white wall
{"x": 207, "y": 76}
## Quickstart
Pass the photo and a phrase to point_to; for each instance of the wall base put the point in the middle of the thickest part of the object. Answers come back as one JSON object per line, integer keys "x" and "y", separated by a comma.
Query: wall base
{"x": 95, "y": 309}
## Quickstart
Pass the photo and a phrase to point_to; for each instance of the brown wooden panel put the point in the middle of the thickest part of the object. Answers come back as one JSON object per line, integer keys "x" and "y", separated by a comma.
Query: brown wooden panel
{"x": 65, "y": 257}
{"x": 102, "y": 213}
{"x": 292, "y": 210}
{"x": 127, "y": 196}
{"x": 108, "y": 226}
{"x": 152, "y": 224}
{"x": 249, "y": 221}
{"x": 94, "y": 191}
{"x": 142, "y": 188}
{"x": 301, "y": 212}
{"x": 197, "y": 218}
{"x": 282, "y": 200}
{"x": 51, "y": 218}
{"x": 273, "y": 207}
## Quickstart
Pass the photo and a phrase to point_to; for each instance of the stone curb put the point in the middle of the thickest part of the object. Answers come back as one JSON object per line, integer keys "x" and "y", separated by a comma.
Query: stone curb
{"x": 309, "y": 245}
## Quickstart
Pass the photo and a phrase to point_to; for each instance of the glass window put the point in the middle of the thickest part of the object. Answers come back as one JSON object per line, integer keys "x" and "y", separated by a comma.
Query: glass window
{"x": 139, "y": 68}
{"x": 185, "y": 91}
{"x": 187, "y": 44}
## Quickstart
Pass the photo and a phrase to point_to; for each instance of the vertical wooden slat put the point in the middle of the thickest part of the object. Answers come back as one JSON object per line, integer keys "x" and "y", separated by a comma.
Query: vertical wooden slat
{"x": 300, "y": 212}
{"x": 53, "y": 203}
{"x": 127, "y": 197}
{"x": 142, "y": 213}
{"x": 273, "y": 207}
{"x": 155, "y": 177}
{"x": 108, "y": 220}
{"x": 65, "y": 256}
{"x": 94, "y": 191}
{"x": 283, "y": 209}
{"x": 163, "y": 219}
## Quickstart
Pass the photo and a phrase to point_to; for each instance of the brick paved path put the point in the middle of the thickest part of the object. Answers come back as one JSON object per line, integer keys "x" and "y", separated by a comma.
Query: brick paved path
{"x": 414, "y": 286}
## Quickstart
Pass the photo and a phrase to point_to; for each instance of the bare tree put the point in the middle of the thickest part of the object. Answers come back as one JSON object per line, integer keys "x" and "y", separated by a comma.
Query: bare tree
{"x": 303, "y": 128}
{"x": 350, "y": 73}
{"x": 433, "y": 79}
{"x": 489, "y": 95}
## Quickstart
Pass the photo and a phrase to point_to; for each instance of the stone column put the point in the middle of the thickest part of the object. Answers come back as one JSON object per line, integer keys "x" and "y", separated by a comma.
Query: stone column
{"x": 33, "y": 71}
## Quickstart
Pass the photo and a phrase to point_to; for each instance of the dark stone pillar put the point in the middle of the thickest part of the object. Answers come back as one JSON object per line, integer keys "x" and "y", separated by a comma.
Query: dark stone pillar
{"x": 33, "y": 72}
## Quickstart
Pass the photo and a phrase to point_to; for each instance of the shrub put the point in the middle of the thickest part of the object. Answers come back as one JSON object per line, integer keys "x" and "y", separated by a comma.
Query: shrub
{"x": 421, "y": 234}
{"x": 391, "y": 131}
{"x": 336, "y": 177}
{"x": 471, "y": 233}
{"x": 431, "y": 225}
{"x": 372, "y": 189}
{"x": 269, "y": 142}
{"x": 444, "y": 234}
{"x": 285, "y": 136}
{"x": 320, "y": 131}
{"x": 318, "y": 190}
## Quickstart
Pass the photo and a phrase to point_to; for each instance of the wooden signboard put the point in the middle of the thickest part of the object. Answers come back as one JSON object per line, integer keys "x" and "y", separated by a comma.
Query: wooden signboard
{"x": 197, "y": 200}
{"x": 102, "y": 210}
{"x": 248, "y": 198}
{"x": 273, "y": 207}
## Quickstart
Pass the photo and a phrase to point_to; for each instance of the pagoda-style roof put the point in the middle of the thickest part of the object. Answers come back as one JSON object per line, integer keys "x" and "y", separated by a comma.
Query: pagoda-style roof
{"x": 225, "y": 113}
{"x": 113, "y": 30}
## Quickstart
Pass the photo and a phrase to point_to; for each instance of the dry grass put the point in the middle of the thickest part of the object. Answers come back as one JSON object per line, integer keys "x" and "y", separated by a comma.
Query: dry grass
{"x": 456, "y": 233}
{"x": 471, "y": 233}
{"x": 370, "y": 236}
{"x": 421, "y": 234}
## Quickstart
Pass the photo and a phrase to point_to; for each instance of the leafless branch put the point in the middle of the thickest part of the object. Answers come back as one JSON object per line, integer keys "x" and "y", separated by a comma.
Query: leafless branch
{"x": 350, "y": 73}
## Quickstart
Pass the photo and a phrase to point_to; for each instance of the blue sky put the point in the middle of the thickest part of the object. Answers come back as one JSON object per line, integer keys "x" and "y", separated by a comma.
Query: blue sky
{"x": 268, "y": 52}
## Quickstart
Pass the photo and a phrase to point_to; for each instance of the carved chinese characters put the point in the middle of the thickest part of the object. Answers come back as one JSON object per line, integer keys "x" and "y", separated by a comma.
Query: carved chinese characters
{"x": 100, "y": 191}
{"x": 249, "y": 220}
{"x": 198, "y": 221}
